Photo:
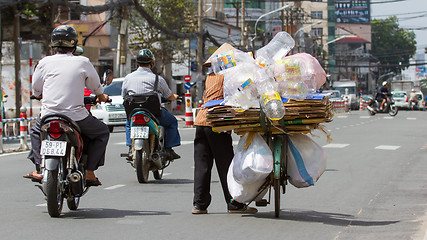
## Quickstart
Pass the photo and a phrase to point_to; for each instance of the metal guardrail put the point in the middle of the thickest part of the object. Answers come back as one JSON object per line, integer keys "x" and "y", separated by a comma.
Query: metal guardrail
{"x": 23, "y": 130}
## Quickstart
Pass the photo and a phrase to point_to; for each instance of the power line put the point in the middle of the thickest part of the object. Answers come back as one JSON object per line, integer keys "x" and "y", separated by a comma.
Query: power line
{"x": 398, "y": 14}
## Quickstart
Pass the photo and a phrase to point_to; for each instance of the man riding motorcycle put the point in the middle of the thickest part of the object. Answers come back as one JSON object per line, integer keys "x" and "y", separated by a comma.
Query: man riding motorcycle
{"x": 383, "y": 94}
{"x": 59, "y": 81}
{"x": 142, "y": 81}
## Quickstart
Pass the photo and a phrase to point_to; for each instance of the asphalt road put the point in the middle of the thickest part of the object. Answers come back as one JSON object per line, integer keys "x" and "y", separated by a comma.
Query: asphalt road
{"x": 374, "y": 188}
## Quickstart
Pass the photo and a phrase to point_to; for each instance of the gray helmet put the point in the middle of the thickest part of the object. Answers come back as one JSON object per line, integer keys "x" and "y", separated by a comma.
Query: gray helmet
{"x": 64, "y": 36}
{"x": 145, "y": 56}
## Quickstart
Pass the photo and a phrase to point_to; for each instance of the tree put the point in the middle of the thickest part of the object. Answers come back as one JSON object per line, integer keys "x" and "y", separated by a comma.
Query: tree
{"x": 391, "y": 45}
{"x": 175, "y": 15}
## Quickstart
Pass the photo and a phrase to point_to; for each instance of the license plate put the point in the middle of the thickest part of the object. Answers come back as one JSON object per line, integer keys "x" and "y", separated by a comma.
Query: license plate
{"x": 53, "y": 148}
{"x": 139, "y": 132}
{"x": 117, "y": 115}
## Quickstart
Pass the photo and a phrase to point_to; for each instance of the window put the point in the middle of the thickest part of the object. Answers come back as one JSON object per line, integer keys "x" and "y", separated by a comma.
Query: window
{"x": 316, "y": 14}
{"x": 69, "y": 14}
{"x": 316, "y": 0}
{"x": 316, "y": 32}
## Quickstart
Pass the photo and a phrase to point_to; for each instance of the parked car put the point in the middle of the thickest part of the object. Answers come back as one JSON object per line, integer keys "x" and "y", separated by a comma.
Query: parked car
{"x": 113, "y": 114}
{"x": 401, "y": 99}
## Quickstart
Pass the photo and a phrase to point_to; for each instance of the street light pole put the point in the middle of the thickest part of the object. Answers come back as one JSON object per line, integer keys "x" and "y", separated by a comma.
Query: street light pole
{"x": 297, "y": 33}
{"x": 265, "y": 14}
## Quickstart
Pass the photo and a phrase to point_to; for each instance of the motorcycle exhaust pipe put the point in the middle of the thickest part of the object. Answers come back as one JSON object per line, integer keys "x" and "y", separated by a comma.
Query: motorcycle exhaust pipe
{"x": 157, "y": 160}
{"x": 76, "y": 183}
{"x": 370, "y": 108}
{"x": 75, "y": 177}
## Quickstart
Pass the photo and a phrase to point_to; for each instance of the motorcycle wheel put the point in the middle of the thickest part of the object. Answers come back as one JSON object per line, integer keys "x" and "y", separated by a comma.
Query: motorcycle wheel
{"x": 73, "y": 203}
{"x": 393, "y": 110}
{"x": 158, "y": 174}
{"x": 142, "y": 163}
{"x": 53, "y": 193}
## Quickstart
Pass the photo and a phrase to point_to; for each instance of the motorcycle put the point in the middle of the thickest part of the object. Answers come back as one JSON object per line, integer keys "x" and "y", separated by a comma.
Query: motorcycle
{"x": 389, "y": 106}
{"x": 147, "y": 150}
{"x": 64, "y": 156}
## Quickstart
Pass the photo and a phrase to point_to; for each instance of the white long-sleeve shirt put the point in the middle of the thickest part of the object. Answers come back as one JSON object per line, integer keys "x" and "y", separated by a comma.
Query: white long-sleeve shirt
{"x": 60, "y": 79}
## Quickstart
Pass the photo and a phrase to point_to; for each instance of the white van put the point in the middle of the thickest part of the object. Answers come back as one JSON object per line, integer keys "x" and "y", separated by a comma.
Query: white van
{"x": 348, "y": 89}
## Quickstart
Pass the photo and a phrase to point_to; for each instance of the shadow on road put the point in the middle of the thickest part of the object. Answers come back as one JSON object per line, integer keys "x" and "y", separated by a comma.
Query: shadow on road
{"x": 172, "y": 181}
{"x": 322, "y": 217}
{"x": 101, "y": 213}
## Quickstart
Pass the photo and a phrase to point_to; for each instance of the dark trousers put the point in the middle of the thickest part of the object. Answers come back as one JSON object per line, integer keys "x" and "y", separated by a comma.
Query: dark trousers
{"x": 210, "y": 146}
{"x": 95, "y": 130}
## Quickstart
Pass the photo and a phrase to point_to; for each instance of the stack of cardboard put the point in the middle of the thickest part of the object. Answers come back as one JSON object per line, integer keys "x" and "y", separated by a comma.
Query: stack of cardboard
{"x": 301, "y": 116}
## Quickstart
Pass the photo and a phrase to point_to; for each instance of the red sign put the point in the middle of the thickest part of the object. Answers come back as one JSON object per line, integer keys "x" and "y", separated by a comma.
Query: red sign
{"x": 187, "y": 78}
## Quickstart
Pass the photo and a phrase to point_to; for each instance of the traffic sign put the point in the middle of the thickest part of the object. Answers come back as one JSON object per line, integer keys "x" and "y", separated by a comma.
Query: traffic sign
{"x": 187, "y": 78}
{"x": 187, "y": 85}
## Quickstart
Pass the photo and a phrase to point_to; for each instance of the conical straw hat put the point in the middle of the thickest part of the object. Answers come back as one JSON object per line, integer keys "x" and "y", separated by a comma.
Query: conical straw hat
{"x": 222, "y": 49}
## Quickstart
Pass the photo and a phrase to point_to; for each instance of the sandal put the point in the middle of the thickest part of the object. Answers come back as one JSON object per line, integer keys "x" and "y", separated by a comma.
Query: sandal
{"x": 93, "y": 183}
{"x": 34, "y": 176}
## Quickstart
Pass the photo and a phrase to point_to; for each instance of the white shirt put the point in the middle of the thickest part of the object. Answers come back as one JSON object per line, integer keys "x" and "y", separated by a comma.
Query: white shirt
{"x": 142, "y": 81}
{"x": 60, "y": 79}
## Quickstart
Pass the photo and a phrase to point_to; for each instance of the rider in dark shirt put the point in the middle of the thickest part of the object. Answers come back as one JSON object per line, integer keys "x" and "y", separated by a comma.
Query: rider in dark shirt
{"x": 382, "y": 94}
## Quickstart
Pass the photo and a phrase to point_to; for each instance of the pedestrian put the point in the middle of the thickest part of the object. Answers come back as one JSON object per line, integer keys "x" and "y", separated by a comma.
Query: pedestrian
{"x": 210, "y": 147}
{"x": 108, "y": 77}
{"x": 59, "y": 81}
{"x": 143, "y": 81}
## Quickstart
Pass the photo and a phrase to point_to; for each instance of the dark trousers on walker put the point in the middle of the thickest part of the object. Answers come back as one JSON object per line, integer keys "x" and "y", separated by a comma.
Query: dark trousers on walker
{"x": 91, "y": 127}
{"x": 209, "y": 147}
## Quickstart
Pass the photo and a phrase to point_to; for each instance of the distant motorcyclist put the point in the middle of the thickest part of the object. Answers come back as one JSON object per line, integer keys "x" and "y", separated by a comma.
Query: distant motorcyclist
{"x": 383, "y": 94}
{"x": 142, "y": 81}
{"x": 59, "y": 81}
{"x": 413, "y": 99}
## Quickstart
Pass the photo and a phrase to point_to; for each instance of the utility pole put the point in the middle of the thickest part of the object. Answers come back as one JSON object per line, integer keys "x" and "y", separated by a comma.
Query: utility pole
{"x": 17, "y": 51}
{"x": 242, "y": 36}
{"x": 199, "y": 51}
{"x": 121, "y": 43}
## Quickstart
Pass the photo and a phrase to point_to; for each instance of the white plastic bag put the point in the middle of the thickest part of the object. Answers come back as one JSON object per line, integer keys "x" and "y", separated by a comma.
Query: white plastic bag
{"x": 245, "y": 193}
{"x": 306, "y": 160}
{"x": 253, "y": 159}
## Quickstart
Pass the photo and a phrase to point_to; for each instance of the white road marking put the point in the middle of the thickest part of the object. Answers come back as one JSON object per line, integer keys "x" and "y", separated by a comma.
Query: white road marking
{"x": 388, "y": 117}
{"x": 387, "y": 147}
{"x": 341, "y": 116}
{"x": 410, "y": 118}
{"x": 364, "y": 116}
{"x": 114, "y": 187}
{"x": 42, "y": 205}
{"x": 336, "y": 145}
{"x": 186, "y": 142}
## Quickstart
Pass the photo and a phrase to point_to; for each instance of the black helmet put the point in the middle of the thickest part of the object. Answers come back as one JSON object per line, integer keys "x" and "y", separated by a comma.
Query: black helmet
{"x": 64, "y": 36}
{"x": 145, "y": 56}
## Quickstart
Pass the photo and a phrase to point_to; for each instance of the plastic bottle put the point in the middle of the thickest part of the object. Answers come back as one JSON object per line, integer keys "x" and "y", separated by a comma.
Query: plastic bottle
{"x": 229, "y": 60}
{"x": 276, "y": 49}
{"x": 270, "y": 100}
{"x": 239, "y": 86}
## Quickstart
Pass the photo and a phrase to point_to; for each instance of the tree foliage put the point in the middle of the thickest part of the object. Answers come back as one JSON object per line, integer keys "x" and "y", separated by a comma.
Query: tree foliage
{"x": 391, "y": 45}
{"x": 175, "y": 15}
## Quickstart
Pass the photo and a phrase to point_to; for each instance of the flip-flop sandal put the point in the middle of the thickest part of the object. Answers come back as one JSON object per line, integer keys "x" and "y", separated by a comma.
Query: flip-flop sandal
{"x": 93, "y": 183}
{"x": 34, "y": 178}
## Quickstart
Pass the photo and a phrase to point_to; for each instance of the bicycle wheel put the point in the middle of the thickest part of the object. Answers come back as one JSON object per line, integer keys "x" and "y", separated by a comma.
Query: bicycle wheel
{"x": 277, "y": 173}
